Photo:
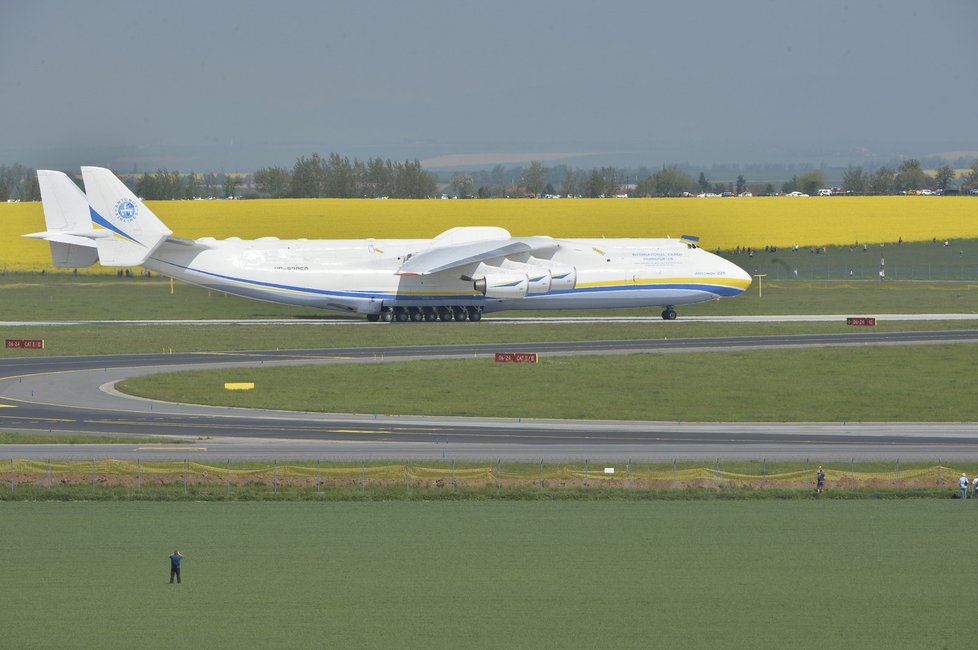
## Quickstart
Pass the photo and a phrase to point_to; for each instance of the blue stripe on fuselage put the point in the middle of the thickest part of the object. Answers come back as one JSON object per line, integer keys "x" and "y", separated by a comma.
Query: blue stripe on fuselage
{"x": 714, "y": 289}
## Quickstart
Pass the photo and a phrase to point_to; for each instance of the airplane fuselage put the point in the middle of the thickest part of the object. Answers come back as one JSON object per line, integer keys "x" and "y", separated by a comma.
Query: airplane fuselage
{"x": 360, "y": 275}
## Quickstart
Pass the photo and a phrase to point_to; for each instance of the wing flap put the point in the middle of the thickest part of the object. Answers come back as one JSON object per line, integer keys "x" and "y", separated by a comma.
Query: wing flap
{"x": 435, "y": 260}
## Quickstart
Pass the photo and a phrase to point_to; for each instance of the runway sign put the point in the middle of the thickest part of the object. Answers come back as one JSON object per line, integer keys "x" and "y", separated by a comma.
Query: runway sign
{"x": 863, "y": 321}
{"x": 241, "y": 385}
{"x": 516, "y": 357}
{"x": 31, "y": 344}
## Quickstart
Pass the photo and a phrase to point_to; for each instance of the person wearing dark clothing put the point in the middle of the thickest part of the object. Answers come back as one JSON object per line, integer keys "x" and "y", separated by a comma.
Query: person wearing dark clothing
{"x": 820, "y": 480}
{"x": 175, "y": 566}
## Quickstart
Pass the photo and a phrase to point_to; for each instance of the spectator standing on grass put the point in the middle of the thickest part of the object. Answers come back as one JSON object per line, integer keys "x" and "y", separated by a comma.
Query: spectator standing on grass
{"x": 175, "y": 566}
{"x": 820, "y": 480}
{"x": 974, "y": 484}
{"x": 963, "y": 482}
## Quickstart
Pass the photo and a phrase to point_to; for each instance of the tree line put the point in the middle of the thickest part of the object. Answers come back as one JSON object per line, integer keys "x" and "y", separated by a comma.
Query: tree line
{"x": 18, "y": 183}
{"x": 340, "y": 177}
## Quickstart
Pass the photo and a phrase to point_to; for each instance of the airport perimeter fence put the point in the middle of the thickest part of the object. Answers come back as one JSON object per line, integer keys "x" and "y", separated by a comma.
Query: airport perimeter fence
{"x": 812, "y": 272}
{"x": 120, "y": 479}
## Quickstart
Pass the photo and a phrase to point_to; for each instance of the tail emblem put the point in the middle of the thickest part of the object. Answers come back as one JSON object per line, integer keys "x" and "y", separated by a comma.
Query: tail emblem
{"x": 126, "y": 209}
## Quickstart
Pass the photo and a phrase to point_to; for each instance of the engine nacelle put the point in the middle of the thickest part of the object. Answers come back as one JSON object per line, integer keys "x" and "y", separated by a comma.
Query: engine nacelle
{"x": 502, "y": 285}
{"x": 540, "y": 278}
{"x": 562, "y": 276}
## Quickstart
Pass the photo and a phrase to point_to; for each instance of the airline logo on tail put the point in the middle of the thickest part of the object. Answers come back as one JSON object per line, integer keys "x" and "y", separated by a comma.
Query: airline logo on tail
{"x": 126, "y": 210}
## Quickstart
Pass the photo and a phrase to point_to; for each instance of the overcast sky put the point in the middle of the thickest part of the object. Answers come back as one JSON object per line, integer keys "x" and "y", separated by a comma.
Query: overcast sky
{"x": 241, "y": 84}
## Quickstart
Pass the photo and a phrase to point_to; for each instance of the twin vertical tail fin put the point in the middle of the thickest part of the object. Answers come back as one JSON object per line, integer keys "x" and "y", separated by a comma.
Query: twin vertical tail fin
{"x": 66, "y": 216}
{"x": 127, "y": 231}
{"x": 110, "y": 225}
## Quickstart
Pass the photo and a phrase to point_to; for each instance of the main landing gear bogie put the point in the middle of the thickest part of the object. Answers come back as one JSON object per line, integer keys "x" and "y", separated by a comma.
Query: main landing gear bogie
{"x": 668, "y": 314}
{"x": 426, "y": 314}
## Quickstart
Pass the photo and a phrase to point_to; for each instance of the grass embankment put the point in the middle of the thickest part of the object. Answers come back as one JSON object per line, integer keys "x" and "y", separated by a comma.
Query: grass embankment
{"x": 485, "y": 575}
{"x": 77, "y": 439}
{"x": 606, "y": 479}
{"x": 915, "y": 383}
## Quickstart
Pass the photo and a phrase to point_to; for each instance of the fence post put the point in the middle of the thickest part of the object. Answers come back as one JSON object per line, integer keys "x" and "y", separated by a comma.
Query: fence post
{"x": 453, "y": 476}
{"x": 318, "y": 476}
{"x": 898, "y": 474}
{"x": 628, "y": 468}
{"x": 938, "y": 472}
{"x": 541, "y": 475}
{"x": 585, "y": 472}
{"x": 49, "y": 473}
{"x": 852, "y": 476}
{"x": 717, "y": 475}
{"x": 363, "y": 475}
{"x": 499, "y": 470}
{"x": 407, "y": 479}
{"x": 11, "y": 474}
{"x": 763, "y": 473}
{"x": 675, "y": 478}
{"x": 139, "y": 472}
{"x": 186, "y": 489}
{"x": 275, "y": 476}
{"x": 93, "y": 471}
{"x": 227, "y": 476}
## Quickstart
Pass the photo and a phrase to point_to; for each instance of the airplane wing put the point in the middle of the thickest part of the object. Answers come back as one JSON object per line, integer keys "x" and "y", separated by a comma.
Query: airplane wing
{"x": 443, "y": 258}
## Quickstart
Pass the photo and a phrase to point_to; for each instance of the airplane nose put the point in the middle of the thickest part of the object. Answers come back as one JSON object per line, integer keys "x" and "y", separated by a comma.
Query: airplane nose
{"x": 742, "y": 277}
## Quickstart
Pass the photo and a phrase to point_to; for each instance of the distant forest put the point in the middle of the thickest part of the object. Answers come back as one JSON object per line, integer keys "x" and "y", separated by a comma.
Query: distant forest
{"x": 337, "y": 176}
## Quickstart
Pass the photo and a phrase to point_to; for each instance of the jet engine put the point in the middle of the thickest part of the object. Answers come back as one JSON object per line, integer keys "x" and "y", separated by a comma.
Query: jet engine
{"x": 562, "y": 276}
{"x": 504, "y": 284}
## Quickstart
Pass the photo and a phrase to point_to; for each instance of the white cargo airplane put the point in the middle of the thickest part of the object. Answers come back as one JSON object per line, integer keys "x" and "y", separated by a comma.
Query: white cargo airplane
{"x": 459, "y": 275}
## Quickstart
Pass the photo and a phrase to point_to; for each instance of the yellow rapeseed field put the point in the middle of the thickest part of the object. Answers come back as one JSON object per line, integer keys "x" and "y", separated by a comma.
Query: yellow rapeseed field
{"x": 724, "y": 223}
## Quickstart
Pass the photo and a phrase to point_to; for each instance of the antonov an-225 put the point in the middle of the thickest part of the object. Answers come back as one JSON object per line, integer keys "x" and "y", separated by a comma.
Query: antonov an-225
{"x": 459, "y": 275}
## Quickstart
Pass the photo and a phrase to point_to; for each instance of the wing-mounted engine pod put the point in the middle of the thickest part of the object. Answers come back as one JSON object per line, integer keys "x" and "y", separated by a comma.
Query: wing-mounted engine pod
{"x": 562, "y": 276}
{"x": 540, "y": 279}
{"x": 502, "y": 285}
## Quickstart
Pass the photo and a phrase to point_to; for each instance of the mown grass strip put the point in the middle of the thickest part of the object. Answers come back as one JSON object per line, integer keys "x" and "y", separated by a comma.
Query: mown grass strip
{"x": 488, "y": 574}
{"x": 886, "y": 384}
{"x": 78, "y": 439}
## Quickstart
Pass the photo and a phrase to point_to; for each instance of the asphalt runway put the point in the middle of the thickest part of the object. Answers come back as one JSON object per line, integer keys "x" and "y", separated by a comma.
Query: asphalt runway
{"x": 75, "y": 395}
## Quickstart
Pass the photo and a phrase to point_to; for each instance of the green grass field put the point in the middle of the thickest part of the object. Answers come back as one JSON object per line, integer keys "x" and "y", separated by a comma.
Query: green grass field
{"x": 808, "y": 385}
{"x": 490, "y": 574}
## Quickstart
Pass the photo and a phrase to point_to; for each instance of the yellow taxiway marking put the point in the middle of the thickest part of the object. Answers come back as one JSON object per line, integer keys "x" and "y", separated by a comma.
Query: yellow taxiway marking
{"x": 171, "y": 448}
{"x": 8, "y": 406}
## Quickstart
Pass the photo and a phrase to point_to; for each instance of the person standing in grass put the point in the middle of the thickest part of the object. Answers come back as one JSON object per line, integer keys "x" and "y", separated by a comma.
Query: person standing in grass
{"x": 974, "y": 484}
{"x": 963, "y": 482}
{"x": 820, "y": 480}
{"x": 175, "y": 566}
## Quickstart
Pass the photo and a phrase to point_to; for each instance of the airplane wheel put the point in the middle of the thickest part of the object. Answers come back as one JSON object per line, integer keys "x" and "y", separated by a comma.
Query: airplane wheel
{"x": 445, "y": 315}
{"x": 461, "y": 315}
{"x": 430, "y": 316}
{"x": 386, "y": 316}
{"x": 416, "y": 316}
{"x": 474, "y": 314}
{"x": 669, "y": 314}
{"x": 401, "y": 316}
{"x": 373, "y": 318}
